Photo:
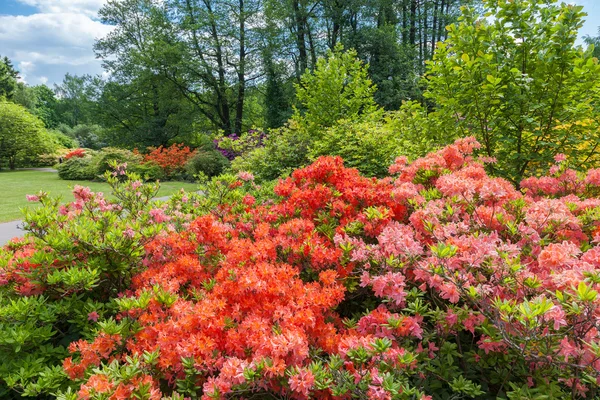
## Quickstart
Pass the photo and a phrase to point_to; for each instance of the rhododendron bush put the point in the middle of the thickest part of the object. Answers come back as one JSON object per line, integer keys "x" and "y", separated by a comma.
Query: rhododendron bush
{"x": 437, "y": 282}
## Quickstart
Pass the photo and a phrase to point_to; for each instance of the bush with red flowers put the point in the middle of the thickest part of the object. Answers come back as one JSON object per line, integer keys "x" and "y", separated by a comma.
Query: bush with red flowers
{"x": 437, "y": 282}
{"x": 77, "y": 153}
{"x": 171, "y": 159}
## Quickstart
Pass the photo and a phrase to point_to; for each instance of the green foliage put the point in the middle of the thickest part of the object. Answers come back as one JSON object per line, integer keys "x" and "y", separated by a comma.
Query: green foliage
{"x": 370, "y": 146}
{"x": 208, "y": 162}
{"x": 83, "y": 259}
{"x": 75, "y": 169}
{"x": 88, "y": 136}
{"x": 8, "y": 79}
{"x": 519, "y": 83}
{"x": 148, "y": 171}
{"x": 339, "y": 88}
{"x": 62, "y": 140}
{"x": 105, "y": 158}
{"x": 22, "y": 135}
{"x": 285, "y": 149}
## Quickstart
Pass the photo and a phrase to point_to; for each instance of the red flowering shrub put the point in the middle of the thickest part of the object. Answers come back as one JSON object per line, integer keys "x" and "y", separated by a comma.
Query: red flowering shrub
{"x": 171, "y": 159}
{"x": 77, "y": 153}
{"x": 441, "y": 281}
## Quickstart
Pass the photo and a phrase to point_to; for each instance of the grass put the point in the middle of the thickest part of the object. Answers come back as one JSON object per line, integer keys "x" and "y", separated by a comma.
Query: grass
{"x": 15, "y": 185}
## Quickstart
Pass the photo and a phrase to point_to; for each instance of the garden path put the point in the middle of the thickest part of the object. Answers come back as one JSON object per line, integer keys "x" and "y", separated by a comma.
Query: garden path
{"x": 9, "y": 230}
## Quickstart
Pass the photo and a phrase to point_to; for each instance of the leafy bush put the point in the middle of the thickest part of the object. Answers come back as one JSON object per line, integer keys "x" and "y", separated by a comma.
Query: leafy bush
{"x": 284, "y": 150}
{"x": 109, "y": 155}
{"x": 76, "y": 169}
{"x": 439, "y": 282}
{"x": 77, "y": 153}
{"x": 233, "y": 145}
{"x": 521, "y": 84}
{"x": 369, "y": 146}
{"x": 337, "y": 90}
{"x": 171, "y": 159}
{"x": 148, "y": 171}
{"x": 209, "y": 163}
{"x": 88, "y": 136}
{"x": 22, "y": 136}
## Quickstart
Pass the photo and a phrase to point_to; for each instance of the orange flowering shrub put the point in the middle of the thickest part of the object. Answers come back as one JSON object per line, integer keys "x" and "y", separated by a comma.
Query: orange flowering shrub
{"x": 171, "y": 159}
{"x": 437, "y": 282}
{"x": 77, "y": 153}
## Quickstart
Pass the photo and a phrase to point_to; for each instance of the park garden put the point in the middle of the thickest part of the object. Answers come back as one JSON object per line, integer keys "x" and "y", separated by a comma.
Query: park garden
{"x": 410, "y": 212}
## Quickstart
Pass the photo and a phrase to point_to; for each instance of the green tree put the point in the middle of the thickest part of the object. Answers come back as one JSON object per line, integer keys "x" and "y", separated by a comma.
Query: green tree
{"x": 595, "y": 41}
{"x": 8, "y": 78}
{"x": 22, "y": 134}
{"x": 339, "y": 88}
{"x": 77, "y": 96}
{"x": 519, "y": 84}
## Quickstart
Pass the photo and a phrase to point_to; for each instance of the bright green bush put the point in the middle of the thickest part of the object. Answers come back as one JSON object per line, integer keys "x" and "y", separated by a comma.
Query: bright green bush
{"x": 86, "y": 252}
{"x": 77, "y": 169}
{"x": 369, "y": 146}
{"x": 148, "y": 171}
{"x": 339, "y": 89}
{"x": 284, "y": 150}
{"x": 22, "y": 136}
{"x": 520, "y": 84}
{"x": 209, "y": 163}
{"x": 108, "y": 155}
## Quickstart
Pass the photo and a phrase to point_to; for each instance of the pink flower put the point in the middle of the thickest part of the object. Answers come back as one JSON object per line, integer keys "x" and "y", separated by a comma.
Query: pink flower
{"x": 158, "y": 215}
{"x": 93, "y": 316}
{"x": 32, "y": 198}
{"x": 245, "y": 176}
{"x": 560, "y": 157}
{"x": 129, "y": 233}
{"x": 302, "y": 382}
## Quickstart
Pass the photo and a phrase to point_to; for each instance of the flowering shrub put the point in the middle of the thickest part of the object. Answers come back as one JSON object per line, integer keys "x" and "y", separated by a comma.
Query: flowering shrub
{"x": 233, "y": 145}
{"x": 171, "y": 159}
{"x": 77, "y": 153}
{"x": 438, "y": 282}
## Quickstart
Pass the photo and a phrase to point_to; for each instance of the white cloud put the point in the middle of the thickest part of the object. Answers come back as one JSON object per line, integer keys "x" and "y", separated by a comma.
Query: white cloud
{"x": 86, "y": 7}
{"x": 47, "y": 45}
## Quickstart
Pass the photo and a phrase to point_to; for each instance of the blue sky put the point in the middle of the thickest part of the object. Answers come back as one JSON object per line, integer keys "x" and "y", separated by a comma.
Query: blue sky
{"x": 48, "y": 38}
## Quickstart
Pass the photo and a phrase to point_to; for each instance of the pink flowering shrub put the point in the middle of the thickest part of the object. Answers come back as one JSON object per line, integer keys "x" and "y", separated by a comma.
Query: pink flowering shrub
{"x": 437, "y": 282}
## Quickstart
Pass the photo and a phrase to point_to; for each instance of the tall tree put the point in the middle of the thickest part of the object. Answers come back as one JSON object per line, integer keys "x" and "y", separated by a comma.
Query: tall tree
{"x": 8, "y": 78}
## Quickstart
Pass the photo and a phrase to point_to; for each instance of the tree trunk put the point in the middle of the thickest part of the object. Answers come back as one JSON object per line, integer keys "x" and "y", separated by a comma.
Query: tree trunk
{"x": 413, "y": 22}
{"x": 241, "y": 71}
{"x": 300, "y": 21}
{"x": 434, "y": 26}
{"x": 404, "y": 22}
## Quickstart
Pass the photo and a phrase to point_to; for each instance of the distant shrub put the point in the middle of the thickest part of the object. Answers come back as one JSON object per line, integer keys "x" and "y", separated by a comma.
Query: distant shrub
{"x": 77, "y": 169}
{"x": 369, "y": 146}
{"x": 148, "y": 171}
{"x": 77, "y": 153}
{"x": 234, "y": 145}
{"x": 171, "y": 159}
{"x": 209, "y": 163}
{"x": 105, "y": 157}
{"x": 284, "y": 150}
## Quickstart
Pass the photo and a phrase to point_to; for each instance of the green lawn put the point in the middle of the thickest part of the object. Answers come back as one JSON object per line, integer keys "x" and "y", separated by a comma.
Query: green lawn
{"x": 14, "y": 185}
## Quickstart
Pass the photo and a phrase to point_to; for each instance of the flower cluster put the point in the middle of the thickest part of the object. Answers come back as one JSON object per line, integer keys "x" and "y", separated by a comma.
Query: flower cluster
{"x": 171, "y": 159}
{"x": 77, "y": 153}
{"x": 438, "y": 281}
{"x": 234, "y": 145}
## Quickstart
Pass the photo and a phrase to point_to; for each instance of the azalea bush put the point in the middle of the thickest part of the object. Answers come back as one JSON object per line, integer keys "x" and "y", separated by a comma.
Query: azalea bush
{"x": 171, "y": 159}
{"x": 436, "y": 282}
{"x": 77, "y": 153}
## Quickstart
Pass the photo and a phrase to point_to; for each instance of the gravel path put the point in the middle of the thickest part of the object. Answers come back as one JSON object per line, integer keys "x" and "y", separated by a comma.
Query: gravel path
{"x": 9, "y": 230}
